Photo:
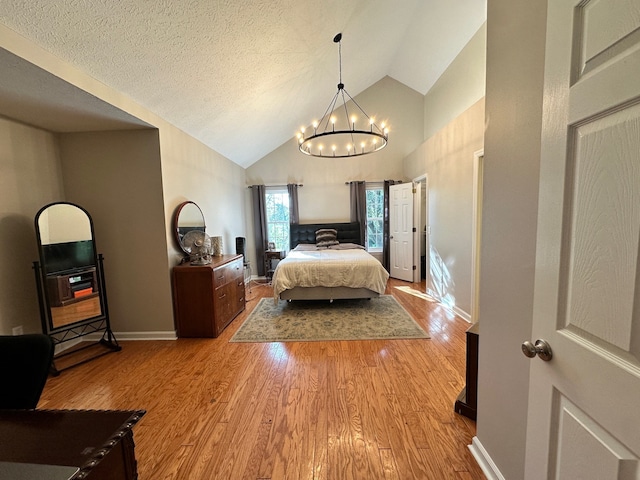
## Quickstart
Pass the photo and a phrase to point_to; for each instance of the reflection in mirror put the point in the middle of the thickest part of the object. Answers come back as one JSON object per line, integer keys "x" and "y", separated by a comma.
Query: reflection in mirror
{"x": 68, "y": 261}
{"x": 188, "y": 217}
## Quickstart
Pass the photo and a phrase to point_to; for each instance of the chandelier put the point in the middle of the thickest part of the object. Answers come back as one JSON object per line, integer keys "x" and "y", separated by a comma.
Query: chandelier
{"x": 338, "y": 136}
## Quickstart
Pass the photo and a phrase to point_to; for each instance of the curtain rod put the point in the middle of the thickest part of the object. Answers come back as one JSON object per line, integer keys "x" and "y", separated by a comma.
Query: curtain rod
{"x": 371, "y": 181}
{"x": 298, "y": 184}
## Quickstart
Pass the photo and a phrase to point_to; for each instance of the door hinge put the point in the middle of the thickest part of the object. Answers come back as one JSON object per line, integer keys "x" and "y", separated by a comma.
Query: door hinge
{"x": 414, "y": 267}
{"x": 414, "y": 229}
{"x": 413, "y": 190}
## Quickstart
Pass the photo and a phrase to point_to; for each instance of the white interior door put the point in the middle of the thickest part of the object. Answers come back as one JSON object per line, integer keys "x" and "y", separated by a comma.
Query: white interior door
{"x": 401, "y": 231}
{"x": 584, "y": 420}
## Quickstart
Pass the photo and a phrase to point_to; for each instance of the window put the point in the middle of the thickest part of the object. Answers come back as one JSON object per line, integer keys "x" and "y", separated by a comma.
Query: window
{"x": 277, "y": 207}
{"x": 375, "y": 210}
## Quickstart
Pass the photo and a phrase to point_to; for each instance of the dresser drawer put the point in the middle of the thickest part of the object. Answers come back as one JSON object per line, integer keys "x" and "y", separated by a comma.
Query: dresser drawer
{"x": 227, "y": 273}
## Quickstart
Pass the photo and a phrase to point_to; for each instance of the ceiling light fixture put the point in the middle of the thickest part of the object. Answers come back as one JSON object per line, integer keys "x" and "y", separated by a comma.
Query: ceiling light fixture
{"x": 333, "y": 137}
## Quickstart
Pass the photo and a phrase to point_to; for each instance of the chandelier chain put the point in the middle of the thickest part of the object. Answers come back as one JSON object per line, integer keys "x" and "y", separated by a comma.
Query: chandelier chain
{"x": 340, "y": 63}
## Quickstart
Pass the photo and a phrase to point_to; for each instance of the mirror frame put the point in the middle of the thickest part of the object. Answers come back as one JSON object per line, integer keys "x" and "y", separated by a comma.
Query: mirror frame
{"x": 176, "y": 218}
{"x": 42, "y": 275}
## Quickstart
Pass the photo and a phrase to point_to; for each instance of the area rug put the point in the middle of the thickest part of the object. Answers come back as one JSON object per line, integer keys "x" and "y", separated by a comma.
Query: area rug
{"x": 315, "y": 320}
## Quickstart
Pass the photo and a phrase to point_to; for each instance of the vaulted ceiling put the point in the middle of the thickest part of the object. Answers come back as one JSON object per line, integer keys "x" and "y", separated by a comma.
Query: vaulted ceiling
{"x": 239, "y": 75}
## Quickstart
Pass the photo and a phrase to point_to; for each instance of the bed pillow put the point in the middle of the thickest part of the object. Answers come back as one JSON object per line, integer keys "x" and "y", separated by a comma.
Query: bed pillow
{"x": 326, "y": 237}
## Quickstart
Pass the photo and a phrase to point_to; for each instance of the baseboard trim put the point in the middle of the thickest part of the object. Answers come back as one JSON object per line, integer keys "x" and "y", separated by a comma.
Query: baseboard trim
{"x": 462, "y": 314}
{"x": 489, "y": 468}
{"x": 170, "y": 335}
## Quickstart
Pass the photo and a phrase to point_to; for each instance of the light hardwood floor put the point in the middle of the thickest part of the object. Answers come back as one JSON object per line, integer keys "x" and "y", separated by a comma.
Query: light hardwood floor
{"x": 299, "y": 410}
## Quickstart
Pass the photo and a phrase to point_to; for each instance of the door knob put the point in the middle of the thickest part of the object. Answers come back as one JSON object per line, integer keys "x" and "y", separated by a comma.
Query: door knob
{"x": 541, "y": 348}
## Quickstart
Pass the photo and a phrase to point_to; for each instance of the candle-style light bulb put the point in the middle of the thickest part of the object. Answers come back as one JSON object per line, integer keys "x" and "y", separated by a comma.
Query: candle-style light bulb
{"x": 333, "y": 147}
{"x": 353, "y": 122}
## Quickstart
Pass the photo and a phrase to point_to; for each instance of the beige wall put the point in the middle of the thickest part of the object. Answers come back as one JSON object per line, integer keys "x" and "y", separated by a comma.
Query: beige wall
{"x": 454, "y": 132}
{"x": 191, "y": 171}
{"x": 447, "y": 158}
{"x": 115, "y": 176}
{"x": 325, "y": 197}
{"x": 30, "y": 177}
{"x": 515, "y": 60}
{"x": 461, "y": 85}
{"x": 175, "y": 168}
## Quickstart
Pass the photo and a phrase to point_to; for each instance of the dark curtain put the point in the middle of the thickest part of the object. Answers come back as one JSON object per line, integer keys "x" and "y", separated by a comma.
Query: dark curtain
{"x": 385, "y": 224}
{"x": 358, "y": 210}
{"x": 294, "y": 214}
{"x": 259, "y": 225}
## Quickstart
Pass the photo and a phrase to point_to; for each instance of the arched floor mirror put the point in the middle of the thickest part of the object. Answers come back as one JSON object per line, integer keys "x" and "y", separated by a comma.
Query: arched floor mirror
{"x": 70, "y": 283}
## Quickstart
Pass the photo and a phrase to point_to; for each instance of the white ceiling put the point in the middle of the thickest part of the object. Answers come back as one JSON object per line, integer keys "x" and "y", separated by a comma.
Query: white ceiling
{"x": 239, "y": 75}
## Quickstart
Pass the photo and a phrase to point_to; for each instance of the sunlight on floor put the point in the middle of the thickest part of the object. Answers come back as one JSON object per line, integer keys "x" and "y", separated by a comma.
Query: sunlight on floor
{"x": 416, "y": 293}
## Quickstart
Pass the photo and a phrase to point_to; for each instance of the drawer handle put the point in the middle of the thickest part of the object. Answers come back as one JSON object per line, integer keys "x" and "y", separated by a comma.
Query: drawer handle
{"x": 221, "y": 277}
{"x": 222, "y": 296}
{"x": 241, "y": 300}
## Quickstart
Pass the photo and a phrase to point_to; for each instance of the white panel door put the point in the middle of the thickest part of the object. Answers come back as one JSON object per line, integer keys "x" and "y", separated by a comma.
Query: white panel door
{"x": 401, "y": 231}
{"x": 584, "y": 420}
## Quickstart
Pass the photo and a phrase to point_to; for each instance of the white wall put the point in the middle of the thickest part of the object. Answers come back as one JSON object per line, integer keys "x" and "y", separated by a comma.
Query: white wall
{"x": 515, "y": 56}
{"x": 30, "y": 177}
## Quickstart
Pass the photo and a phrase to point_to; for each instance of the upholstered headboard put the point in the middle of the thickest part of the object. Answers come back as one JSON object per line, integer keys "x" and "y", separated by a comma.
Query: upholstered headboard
{"x": 306, "y": 233}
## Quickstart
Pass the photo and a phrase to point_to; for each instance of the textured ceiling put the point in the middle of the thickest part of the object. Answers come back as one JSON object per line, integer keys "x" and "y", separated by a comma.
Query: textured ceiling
{"x": 242, "y": 75}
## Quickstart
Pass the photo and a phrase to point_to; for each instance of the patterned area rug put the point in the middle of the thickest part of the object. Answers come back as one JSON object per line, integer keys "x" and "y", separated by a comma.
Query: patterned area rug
{"x": 314, "y": 320}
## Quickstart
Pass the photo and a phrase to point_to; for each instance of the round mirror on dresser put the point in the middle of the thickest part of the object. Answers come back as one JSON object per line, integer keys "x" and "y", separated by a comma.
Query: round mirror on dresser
{"x": 188, "y": 217}
{"x": 70, "y": 280}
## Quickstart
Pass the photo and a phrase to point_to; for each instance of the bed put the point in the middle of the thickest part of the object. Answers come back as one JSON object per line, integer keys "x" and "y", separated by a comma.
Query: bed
{"x": 314, "y": 271}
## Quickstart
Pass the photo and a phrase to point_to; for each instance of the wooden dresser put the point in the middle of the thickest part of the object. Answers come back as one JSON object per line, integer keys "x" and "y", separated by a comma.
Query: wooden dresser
{"x": 207, "y": 297}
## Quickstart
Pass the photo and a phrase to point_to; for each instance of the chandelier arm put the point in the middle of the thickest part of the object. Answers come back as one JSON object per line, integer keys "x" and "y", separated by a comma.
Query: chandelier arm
{"x": 346, "y": 113}
{"x": 363, "y": 112}
{"x": 329, "y": 109}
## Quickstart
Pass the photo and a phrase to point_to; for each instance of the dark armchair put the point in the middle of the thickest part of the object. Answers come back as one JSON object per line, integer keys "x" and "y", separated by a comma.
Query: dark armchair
{"x": 25, "y": 361}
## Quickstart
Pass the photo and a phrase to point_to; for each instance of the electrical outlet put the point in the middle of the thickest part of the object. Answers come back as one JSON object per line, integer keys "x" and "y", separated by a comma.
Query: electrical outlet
{"x": 17, "y": 330}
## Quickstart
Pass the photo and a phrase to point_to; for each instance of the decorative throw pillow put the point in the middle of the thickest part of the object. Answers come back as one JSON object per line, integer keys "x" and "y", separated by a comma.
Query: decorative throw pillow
{"x": 326, "y": 237}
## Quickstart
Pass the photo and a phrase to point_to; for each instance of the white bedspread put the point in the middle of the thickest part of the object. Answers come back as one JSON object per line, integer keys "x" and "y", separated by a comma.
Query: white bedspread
{"x": 329, "y": 268}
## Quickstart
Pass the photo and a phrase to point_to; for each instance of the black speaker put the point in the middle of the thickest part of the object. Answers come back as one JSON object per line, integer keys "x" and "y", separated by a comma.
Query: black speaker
{"x": 241, "y": 245}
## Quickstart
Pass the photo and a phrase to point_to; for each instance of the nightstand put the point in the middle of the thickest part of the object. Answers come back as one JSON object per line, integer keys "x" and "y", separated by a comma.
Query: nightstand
{"x": 269, "y": 257}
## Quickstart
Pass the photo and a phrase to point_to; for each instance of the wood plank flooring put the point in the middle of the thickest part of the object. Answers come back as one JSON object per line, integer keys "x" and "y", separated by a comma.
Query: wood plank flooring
{"x": 301, "y": 410}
